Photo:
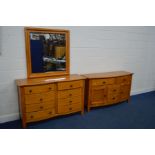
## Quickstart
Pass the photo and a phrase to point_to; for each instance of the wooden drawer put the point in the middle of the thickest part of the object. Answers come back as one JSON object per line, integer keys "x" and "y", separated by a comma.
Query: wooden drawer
{"x": 99, "y": 93}
{"x": 39, "y": 89}
{"x": 69, "y": 101}
{"x": 40, "y": 106}
{"x": 124, "y": 92}
{"x": 114, "y": 89}
{"x": 69, "y": 108}
{"x": 39, "y": 98}
{"x": 69, "y": 93}
{"x": 98, "y": 82}
{"x": 124, "y": 80}
{"x": 114, "y": 98}
{"x": 40, "y": 115}
{"x": 70, "y": 85}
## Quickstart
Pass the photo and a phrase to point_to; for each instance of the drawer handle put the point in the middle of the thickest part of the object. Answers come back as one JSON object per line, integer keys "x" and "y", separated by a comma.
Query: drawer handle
{"x": 71, "y": 85}
{"x": 70, "y": 101}
{"x": 41, "y": 107}
{"x": 124, "y": 80}
{"x": 104, "y": 82}
{"x": 121, "y": 92}
{"x": 70, "y": 108}
{"x": 113, "y": 98}
{"x": 32, "y": 116}
{"x": 50, "y": 113}
{"x": 114, "y": 90}
{"x": 30, "y": 91}
{"x": 105, "y": 95}
{"x": 70, "y": 94}
{"x": 50, "y": 88}
{"x": 41, "y": 99}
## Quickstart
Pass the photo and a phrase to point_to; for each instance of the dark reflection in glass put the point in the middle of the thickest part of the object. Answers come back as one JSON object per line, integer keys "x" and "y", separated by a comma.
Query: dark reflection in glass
{"x": 47, "y": 52}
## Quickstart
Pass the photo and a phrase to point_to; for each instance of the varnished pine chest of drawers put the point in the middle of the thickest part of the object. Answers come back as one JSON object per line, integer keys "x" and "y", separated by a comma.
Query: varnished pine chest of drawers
{"x": 44, "y": 98}
{"x": 107, "y": 88}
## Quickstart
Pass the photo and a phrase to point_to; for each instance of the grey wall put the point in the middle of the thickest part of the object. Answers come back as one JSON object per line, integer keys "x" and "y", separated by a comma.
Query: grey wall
{"x": 93, "y": 49}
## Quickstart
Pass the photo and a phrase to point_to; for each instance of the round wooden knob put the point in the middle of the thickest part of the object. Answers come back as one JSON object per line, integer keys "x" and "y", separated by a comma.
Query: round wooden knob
{"x": 50, "y": 113}
{"x": 114, "y": 90}
{"x": 70, "y": 94}
{"x": 70, "y": 108}
{"x": 50, "y": 88}
{"x": 31, "y": 116}
{"x": 41, "y": 99}
{"x": 41, "y": 107}
{"x": 30, "y": 91}
{"x": 71, "y": 85}
{"x": 113, "y": 98}
{"x": 104, "y": 82}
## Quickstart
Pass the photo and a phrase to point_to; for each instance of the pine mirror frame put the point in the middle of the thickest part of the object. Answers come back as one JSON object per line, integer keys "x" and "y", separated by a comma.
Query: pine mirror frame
{"x": 30, "y": 74}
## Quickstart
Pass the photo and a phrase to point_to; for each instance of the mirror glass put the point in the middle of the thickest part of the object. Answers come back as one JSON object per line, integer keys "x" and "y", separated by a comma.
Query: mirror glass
{"x": 47, "y": 52}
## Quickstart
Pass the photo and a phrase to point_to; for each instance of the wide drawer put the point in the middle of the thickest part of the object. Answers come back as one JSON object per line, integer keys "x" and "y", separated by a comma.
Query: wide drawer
{"x": 124, "y": 79}
{"x": 39, "y": 98}
{"x": 70, "y": 85}
{"x": 70, "y": 100}
{"x": 40, "y": 115}
{"x": 97, "y": 82}
{"x": 69, "y": 93}
{"x": 39, "y": 89}
{"x": 69, "y": 108}
{"x": 40, "y": 106}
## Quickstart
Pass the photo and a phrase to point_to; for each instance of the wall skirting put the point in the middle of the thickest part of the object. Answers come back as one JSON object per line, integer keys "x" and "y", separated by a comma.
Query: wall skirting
{"x": 15, "y": 116}
{"x": 8, "y": 118}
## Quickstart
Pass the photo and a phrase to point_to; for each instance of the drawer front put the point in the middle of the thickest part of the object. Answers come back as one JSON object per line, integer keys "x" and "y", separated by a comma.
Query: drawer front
{"x": 40, "y": 106}
{"x": 124, "y": 92}
{"x": 40, "y": 115}
{"x": 69, "y": 101}
{"x": 69, "y": 108}
{"x": 114, "y": 98}
{"x": 98, "y": 82}
{"x": 39, "y": 89}
{"x": 99, "y": 94}
{"x": 114, "y": 89}
{"x": 39, "y": 98}
{"x": 70, "y": 85}
{"x": 124, "y": 80}
{"x": 69, "y": 93}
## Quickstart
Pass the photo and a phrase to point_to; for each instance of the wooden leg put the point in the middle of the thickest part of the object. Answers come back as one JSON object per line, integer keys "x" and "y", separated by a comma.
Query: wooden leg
{"x": 82, "y": 112}
{"x": 88, "y": 108}
{"x": 24, "y": 125}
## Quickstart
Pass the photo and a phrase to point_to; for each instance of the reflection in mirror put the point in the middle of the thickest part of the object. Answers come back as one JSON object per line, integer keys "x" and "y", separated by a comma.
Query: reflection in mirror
{"x": 48, "y": 52}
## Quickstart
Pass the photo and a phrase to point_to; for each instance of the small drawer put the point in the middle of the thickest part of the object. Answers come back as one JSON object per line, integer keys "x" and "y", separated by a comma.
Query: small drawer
{"x": 69, "y": 108}
{"x": 98, "y": 82}
{"x": 114, "y": 89}
{"x": 40, "y": 106}
{"x": 124, "y": 80}
{"x": 113, "y": 99}
{"x": 40, "y": 115}
{"x": 70, "y": 85}
{"x": 69, "y": 101}
{"x": 39, "y": 89}
{"x": 69, "y": 93}
{"x": 39, "y": 98}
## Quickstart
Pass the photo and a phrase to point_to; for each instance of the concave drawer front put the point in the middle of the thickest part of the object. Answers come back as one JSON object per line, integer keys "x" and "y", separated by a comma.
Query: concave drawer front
{"x": 40, "y": 115}
{"x": 124, "y": 79}
{"x": 124, "y": 92}
{"x": 39, "y": 89}
{"x": 40, "y": 106}
{"x": 69, "y": 93}
{"x": 114, "y": 89}
{"x": 39, "y": 98}
{"x": 69, "y": 108}
{"x": 68, "y": 101}
{"x": 70, "y": 85}
{"x": 113, "y": 98}
{"x": 99, "y": 94}
{"x": 98, "y": 82}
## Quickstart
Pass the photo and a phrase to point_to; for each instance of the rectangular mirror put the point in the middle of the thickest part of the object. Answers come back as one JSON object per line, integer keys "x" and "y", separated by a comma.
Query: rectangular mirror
{"x": 47, "y": 52}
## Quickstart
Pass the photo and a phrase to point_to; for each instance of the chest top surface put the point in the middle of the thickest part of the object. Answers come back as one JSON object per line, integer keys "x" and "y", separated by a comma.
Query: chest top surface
{"x": 35, "y": 81}
{"x": 107, "y": 74}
